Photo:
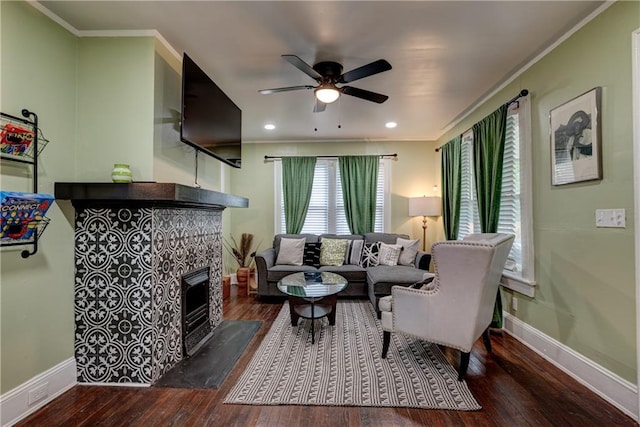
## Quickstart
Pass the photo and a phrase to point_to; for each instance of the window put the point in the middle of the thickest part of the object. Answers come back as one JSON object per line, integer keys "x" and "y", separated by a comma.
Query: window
{"x": 326, "y": 206}
{"x": 515, "y": 203}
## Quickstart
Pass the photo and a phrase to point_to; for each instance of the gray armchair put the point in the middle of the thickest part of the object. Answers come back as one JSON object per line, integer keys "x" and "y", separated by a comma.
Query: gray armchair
{"x": 457, "y": 307}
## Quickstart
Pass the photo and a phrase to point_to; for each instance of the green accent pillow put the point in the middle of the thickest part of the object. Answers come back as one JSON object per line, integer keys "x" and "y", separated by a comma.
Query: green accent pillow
{"x": 332, "y": 251}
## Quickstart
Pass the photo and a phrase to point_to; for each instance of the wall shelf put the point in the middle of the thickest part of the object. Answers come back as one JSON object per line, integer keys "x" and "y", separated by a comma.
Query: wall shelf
{"x": 21, "y": 141}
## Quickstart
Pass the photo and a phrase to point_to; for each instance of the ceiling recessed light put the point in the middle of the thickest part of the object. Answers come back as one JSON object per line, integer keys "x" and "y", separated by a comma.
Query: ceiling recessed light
{"x": 391, "y": 125}
{"x": 269, "y": 126}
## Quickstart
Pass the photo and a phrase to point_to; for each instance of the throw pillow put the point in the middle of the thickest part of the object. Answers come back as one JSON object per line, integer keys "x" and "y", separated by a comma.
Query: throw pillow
{"x": 291, "y": 251}
{"x": 370, "y": 254}
{"x": 312, "y": 254}
{"x": 426, "y": 284}
{"x": 354, "y": 254}
{"x": 332, "y": 251}
{"x": 347, "y": 252}
{"x": 409, "y": 251}
{"x": 389, "y": 254}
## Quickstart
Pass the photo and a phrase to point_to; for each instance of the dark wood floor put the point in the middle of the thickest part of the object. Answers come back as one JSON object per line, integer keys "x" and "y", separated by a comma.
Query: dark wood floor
{"x": 515, "y": 387}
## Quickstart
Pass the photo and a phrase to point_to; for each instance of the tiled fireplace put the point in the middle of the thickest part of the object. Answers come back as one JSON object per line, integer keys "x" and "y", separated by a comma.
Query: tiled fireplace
{"x": 130, "y": 264}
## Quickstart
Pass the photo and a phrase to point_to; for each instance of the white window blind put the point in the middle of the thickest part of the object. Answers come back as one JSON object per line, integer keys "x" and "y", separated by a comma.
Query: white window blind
{"x": 326, "y": 207}
{"x": 515, "y": 201}
{"x": 509, "y": 221}
{"x": 469, "y": 219}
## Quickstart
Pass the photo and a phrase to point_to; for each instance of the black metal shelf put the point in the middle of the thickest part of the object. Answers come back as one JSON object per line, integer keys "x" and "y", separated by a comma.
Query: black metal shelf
{"x": 25, "y": 146}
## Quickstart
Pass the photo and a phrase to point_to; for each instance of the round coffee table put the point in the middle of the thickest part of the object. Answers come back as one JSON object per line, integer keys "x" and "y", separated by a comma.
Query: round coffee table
{"x": 312, "y": 295}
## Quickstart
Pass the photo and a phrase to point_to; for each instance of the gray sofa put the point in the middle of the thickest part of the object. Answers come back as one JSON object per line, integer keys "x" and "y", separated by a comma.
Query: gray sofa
{"x": 372, "y": 282}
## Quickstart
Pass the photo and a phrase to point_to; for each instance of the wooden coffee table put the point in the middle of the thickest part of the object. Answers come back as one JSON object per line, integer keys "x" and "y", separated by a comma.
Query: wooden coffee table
{"x": 312, "y": 296}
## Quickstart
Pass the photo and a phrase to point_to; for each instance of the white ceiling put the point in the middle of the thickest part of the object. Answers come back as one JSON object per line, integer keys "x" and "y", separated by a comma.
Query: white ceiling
{"x": 446, "y": 55}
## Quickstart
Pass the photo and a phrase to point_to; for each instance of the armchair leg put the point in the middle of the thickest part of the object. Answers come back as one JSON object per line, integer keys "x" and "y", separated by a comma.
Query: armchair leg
{"x": 487, "y": 341}
{"x": 464, "y": 364}
{"x": 386, "y": 339}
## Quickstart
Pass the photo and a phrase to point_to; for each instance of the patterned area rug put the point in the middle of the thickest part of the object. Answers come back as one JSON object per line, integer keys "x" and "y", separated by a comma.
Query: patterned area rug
{"x": 344, "y": 367}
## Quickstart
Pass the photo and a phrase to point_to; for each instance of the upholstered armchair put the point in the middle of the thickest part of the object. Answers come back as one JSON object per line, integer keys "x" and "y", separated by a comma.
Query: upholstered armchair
{"x": 456, "y": 308}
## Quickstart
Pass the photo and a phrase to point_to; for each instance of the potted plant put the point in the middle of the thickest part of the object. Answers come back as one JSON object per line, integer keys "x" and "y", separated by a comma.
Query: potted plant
{"x": 243, "y": 253}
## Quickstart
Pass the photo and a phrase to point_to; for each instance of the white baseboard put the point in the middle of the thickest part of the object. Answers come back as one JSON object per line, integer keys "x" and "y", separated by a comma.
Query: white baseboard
{"x": 616, "y": 390}
{"x": 14, "y": 405}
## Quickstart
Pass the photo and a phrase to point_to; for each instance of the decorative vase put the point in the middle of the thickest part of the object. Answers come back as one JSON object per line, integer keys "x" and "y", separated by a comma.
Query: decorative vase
{"x": 243, "y": 279}
{"x": 121, "y": 174}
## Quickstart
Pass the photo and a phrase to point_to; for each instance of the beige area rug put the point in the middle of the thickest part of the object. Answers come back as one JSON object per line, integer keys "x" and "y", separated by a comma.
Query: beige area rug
{"x": 344, "y": 367}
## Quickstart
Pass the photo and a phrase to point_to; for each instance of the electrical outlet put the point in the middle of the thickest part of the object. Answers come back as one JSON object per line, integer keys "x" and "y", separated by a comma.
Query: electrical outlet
{"x": 514, "y": 303}
{"x": 38, "y": 393}
{"x": 611, "y": 218}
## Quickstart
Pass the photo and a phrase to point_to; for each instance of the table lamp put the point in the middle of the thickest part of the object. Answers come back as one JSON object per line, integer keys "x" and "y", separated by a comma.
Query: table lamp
{"x": 424, "y": 206}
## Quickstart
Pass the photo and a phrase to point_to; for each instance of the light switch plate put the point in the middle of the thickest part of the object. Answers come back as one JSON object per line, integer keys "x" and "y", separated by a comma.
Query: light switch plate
{"x": 611, "y": 218}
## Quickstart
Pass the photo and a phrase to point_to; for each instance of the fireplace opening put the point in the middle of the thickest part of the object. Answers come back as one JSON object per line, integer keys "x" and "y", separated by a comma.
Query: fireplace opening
{"x": 196, "y": 327}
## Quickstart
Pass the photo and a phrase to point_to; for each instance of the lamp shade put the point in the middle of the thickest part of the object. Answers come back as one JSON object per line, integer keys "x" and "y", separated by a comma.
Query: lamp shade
{"x": 425, "y": 206}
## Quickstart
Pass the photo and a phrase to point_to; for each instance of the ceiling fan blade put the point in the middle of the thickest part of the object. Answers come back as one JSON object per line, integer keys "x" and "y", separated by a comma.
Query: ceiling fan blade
{"x": 319, "y": 106}
{"x": 365, "y": 71}
{"x": 303, "y": 66}
{"x": 364, "y": 94}
{"x": 283, "y": 89}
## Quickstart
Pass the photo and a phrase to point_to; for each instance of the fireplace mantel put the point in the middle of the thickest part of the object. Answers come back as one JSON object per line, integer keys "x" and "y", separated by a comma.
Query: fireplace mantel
{"x": 147, "y": 194}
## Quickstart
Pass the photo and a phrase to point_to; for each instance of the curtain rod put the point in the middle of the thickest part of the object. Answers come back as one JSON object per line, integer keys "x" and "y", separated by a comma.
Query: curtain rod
{"x": 382, "y": 156}
{"x": 523, "y": 93}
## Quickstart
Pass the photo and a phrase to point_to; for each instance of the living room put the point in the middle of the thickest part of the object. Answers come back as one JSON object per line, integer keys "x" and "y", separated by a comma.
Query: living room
{"x": 97, "y": 112}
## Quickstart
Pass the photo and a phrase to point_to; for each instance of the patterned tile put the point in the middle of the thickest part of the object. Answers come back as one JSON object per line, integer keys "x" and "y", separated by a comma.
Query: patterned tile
{"x": 127, "y": 288}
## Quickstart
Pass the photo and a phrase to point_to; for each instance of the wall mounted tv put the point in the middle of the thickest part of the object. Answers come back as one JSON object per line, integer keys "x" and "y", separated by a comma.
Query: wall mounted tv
{"x": 211, "y": 122}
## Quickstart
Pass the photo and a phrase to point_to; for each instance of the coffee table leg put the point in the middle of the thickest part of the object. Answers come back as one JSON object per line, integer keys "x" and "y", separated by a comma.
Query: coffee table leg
{"x": 294, "y": 316}
{"x": 332, "y": 314}
{"x": 313, "y": 322}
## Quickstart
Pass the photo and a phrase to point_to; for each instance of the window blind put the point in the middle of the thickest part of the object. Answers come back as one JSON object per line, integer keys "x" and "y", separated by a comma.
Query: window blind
{"x": 326, "y": 207}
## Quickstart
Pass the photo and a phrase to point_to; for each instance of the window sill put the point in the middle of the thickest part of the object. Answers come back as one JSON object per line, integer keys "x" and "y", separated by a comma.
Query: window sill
{"x": 517, "y": 283}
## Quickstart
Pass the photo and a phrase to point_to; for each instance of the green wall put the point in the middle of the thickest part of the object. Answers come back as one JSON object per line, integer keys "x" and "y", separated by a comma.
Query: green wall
{"x": 115, "y": 106}
{"x": 36, "y": 294}
{"x": 586, "y": 290}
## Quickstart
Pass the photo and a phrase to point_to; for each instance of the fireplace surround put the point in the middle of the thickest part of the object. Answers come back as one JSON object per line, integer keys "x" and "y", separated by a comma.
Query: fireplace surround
{"x": 134, "y": 244}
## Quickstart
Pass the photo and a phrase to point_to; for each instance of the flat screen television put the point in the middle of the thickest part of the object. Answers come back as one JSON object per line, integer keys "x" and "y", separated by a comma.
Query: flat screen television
{"x": 210, "y": 121}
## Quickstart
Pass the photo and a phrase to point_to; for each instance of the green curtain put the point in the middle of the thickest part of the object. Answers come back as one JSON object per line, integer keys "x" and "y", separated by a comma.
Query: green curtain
{"x": 451, "y": 174}
{"x": 297, "y": 183}
{"x": 488, "y": 152}
{"x": 359, "y": 176}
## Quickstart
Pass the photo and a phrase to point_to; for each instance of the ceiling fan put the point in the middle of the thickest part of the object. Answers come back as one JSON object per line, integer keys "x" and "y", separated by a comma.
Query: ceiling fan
{"x": 328, "y": 75}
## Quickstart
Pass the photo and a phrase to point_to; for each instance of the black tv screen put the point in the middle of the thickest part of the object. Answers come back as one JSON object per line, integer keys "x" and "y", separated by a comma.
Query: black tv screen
{"x": 211, "y": 122}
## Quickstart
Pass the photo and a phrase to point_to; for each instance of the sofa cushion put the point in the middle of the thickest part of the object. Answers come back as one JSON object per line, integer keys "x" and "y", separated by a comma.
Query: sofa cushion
{"x": 277, "y": 237}
{"x": 409, "y": 251}
{"x": 388, "y": 238}
{"x": 370, "y": 254}
{"x": 388, "y": 276}
{"x": 354, "y": 252}
{"x": 351, "y": 239}
{"x": 277, "y": 272}
{"x": 312, "y": 254}
{"x": 353, "y": 273}
{"x": 389, "y": 254}
{"x": 291, "y": 251}
{"x": 332, "y": 251}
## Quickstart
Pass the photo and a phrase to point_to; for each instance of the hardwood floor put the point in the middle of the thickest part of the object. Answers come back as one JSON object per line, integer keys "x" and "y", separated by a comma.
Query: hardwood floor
{"x": 515, "y": 386}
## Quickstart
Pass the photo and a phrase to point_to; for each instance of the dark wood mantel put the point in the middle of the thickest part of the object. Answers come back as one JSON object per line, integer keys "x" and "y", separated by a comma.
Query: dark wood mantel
{"x": 88, "y": 194}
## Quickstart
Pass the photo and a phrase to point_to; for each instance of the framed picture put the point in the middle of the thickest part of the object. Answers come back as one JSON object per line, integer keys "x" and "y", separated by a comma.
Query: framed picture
{"x": 576, "y": 153}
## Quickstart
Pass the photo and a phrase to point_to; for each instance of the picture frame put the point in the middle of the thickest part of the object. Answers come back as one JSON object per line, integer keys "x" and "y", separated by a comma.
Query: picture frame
{"x": 576, "y": 139}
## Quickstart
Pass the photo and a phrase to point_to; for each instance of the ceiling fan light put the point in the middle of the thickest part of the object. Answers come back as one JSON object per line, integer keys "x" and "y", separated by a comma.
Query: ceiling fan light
{"x": 327, "y": 94}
